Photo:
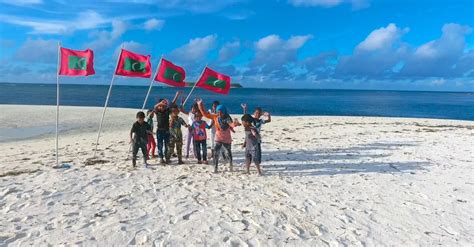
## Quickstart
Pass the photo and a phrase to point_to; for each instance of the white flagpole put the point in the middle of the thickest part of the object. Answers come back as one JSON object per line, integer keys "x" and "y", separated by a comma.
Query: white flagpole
{"x": 151, "y": 83}
{"x": 57, "y": 105}
{"x": 106, "y": 102}
{"x": 194, "y": 86}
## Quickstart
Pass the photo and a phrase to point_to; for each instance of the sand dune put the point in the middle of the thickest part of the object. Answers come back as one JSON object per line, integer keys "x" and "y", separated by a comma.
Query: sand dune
{"x": 327, "y": 181}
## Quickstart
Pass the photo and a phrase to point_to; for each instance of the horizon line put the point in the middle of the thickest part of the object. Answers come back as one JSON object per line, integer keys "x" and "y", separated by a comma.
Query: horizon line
{"x": 243, "y": 87}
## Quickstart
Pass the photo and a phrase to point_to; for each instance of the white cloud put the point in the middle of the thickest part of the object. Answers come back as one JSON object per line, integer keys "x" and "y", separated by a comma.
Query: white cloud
{"x": 382, "y": 38}
{"x": 85, "y": 20}
{"x": 272, "y": 52}
{"x": 229, "y": 51}
{"x": 104, "y": 39}
{"x": 38, "y": 51}
{"x": 196, "y": 49}
{"x": 132, "y": 46}
{"x": 356, "y": 4}
{"x": 377, "y": 55}
{"x": 443, "y": 57}
{"x": 153, "y": 24}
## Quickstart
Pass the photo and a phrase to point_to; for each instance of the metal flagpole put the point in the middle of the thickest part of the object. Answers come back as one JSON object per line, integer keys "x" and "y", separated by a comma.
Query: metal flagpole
{"x": 194, "y": 86}
{"x": 151, "y": 84}
{"x": 57, "y": 105}
{"x": 106, "y": 102}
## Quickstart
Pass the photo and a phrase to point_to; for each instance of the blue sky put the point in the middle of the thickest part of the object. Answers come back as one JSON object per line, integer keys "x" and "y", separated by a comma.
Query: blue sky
{"x": 341, "y": 44}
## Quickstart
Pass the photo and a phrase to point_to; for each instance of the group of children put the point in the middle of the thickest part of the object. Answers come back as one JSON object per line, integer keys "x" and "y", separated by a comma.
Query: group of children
{"x": 170, "y": 137}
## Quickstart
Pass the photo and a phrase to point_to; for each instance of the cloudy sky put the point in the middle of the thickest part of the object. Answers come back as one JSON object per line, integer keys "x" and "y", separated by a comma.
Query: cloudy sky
{"x": 347, "y": 44}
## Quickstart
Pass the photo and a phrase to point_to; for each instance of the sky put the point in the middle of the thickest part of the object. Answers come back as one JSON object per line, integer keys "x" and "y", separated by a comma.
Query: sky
{"x": 321, "y": 44}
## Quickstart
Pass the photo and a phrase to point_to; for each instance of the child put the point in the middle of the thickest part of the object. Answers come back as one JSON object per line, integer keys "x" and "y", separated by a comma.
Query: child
{"x": 191, "y": 114}
{"x": 176, "y": 136}
{"x": 198, "y": 128}
{"x": 151, "y": 145}
{"x": 258, "y": 121}
{"x": 138, "y": 136}
{"x": 162, "y": 113}
{"x": 251, "y": 144}
{"x": 213, "y": 129}
{"x": 223, "y": 124}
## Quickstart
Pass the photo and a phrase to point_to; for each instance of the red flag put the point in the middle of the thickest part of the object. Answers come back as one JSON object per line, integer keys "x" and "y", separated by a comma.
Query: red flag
{"x": 214, "y": 81}
{"x": 171, "y": 74}
{"x": 76, "y": 63}
{"x": 133, "y": 65}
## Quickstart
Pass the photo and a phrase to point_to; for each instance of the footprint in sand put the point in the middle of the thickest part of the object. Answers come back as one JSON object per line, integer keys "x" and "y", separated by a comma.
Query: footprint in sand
{"x": 141, "y": 237}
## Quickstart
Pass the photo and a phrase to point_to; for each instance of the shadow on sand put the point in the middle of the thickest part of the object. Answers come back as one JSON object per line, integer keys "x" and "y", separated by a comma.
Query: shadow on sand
{"x": 358, "y": 159}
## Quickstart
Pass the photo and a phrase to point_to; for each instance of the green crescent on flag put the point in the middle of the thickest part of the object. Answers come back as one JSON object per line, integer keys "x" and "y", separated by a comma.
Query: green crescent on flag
{"x": 172, "y": 74}
{"x": 214, "y": 82}
{"x": 134, "y": 65}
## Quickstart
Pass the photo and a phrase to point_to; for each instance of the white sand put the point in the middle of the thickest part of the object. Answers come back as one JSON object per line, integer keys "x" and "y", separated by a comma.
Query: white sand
{"x": 328, "y": 181}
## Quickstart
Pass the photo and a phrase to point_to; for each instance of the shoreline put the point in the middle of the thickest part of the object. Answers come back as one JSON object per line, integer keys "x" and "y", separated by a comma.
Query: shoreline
{"x": 46, "y": 127}
{"x": 327, "y": 181}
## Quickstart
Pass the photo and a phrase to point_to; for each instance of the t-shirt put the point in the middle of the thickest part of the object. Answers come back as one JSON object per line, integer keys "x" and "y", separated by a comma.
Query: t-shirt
{"x": 175, "y": 130}
{"x": 140, "y": 131}
{"x": 163, "y": 119}
{"x": 252, "y": 138}
{"x": 258, "y": 123}
{"x": 190, "y": 118}
{"x": 222, "y": 132}
{"x": 199, "y": 130}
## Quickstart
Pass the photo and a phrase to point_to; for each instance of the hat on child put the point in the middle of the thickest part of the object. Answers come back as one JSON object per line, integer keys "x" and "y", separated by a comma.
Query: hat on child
{"x": 222, "y": 109}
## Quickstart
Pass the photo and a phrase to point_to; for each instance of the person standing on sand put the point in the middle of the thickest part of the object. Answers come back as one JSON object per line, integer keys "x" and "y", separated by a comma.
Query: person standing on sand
{"x": 176, "y": 136}
{"x": 198, "y": 128}
{"x": 189, "y": 138}
{"x": 162, "y": 113}
{"x": 151, "y": 144}
{"x": 139, "y": 138}
{"x": 223, "y": 124}
{"x": 251, "y": 144}
{"x": 258, "y": 121}
{"x": 213, "y": 129}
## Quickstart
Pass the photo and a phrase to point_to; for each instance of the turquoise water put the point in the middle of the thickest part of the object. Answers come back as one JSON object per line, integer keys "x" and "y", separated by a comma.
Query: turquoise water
{"x": 283, "y": 102}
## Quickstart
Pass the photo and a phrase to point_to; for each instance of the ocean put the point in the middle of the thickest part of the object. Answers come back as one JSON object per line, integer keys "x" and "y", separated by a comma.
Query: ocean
{"x": 280, "y": 102}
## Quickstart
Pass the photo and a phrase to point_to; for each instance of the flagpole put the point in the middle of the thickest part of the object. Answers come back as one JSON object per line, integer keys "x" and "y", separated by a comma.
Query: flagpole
{"x": 106, "y": 102}
{"x": 194, "y": 86}
{"x": 57, "y": 105}
{"x": 151, "y": 83}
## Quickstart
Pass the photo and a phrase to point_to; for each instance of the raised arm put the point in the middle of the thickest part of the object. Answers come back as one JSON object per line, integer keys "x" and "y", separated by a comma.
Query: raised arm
{"x": 181, "y": 107}
{"x": 244, "y": 108}
{"x": 203, "y": 110}
{"x": 178, "y": 93}
{"x": 163, "y": 102}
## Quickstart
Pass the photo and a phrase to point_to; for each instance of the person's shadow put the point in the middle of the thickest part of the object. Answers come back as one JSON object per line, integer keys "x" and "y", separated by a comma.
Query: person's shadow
{"x": 368, "y": 158}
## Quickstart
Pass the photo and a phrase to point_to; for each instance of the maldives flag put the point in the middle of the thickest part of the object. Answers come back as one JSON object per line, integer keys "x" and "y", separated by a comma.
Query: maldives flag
{"x": 76, "y": 63}
{"x": 133, "y": 65}
{"x": 214, "y": 81}
{"x": 171, "y": 74}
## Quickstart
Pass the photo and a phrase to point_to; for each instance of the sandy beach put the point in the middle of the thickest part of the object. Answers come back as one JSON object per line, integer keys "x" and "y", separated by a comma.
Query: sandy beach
{"x": 328, "y": 181}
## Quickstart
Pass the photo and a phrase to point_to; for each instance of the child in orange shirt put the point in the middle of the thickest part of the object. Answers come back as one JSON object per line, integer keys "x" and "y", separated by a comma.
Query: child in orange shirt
{"x": 223, "y": 124}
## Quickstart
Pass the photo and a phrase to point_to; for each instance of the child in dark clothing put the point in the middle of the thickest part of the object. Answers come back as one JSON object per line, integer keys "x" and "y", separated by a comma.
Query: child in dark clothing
{"x": 139, "y": 137}
{"x": 251, "y": 144}
{"x": 198, "y": 128}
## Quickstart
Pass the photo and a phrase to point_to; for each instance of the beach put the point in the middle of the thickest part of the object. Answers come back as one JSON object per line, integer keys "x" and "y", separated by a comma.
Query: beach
{"x": 328, "y": 181}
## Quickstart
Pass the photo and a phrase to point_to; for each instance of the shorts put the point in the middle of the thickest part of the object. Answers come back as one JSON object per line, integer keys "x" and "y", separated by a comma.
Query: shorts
{"x": 254, "y": 155}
